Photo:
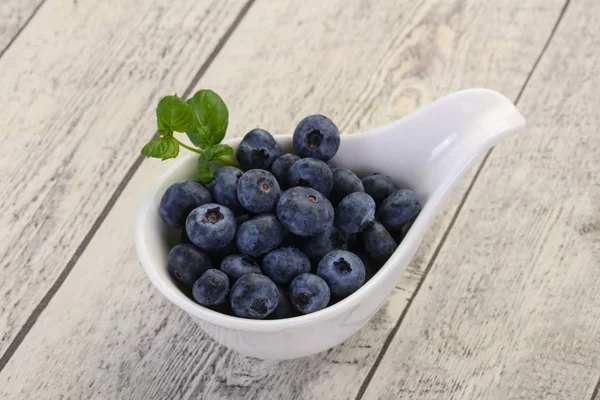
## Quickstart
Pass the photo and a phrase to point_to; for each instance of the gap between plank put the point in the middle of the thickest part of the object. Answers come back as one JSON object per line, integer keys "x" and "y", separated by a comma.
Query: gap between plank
{"x": 392, "y": 334}
{"x": 14, "y": 345}
{"x": 18, "y": 33}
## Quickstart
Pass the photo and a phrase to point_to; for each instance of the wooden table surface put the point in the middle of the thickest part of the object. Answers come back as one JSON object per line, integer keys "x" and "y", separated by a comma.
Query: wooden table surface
{"x": 502, "y": 300}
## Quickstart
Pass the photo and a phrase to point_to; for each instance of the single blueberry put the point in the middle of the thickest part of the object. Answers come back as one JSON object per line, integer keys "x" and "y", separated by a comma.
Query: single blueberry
{"x": 211, "y": 226}
{"x": 318, "y": 246}
{"x": 312, "y": 173}
{"x": 284, "y": 308}
{"x": 304, "y": 211}
{"x": 224, "y": 188}
{"x": 316, "y": 136}
{"x": 259, "y": 235}
{"x": 344, "y": 183}
{"x": 309, "y": 293}
{"x": 379, "y": 187}
{"x": 354, "y": 212}
{"x": 254, "y": 296}
{"x": 282, "y": 265}
{"x": 180, "y": 199}
{"x": 343, "y": 271}
{"x": 211, "y": 288}
{"x": 281, "y": 166}
{"x": 257, "y": 150}
{"x": 401, "y": 207}
{"x": 258, "y": 191}
{"x": 378, "y": 242}
{"x": 186, "y": 263}
{"x": 238, "y": 265}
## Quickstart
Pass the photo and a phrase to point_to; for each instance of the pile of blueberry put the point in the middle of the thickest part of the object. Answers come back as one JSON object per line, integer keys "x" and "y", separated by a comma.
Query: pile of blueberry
{"x": 287, "y": 234}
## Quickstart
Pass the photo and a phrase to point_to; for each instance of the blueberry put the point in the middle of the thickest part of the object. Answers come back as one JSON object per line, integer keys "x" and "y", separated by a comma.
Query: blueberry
{"x": 281, "y": 166}
{"x": 316, "y": 136}
{"x": 325, "y": 242}
{"x": 258, "y": 191}
{"x": 254, "y": 296}
{"x": 354, "y": 212}
{"x": 379, "y": 187}
{"x": 211, "y": 288}
{"x": 187, "y": 263}
{"x": 343, "y": 271}
{"x": 257, "y": 150}
{"x": 309, "y": 293}
{"x": 378, "y": 242}
{"x": 344, "y": 183}
{"x": 238, "y": 265}
{"x": 224, "y": 188}
{"x": 180, "y": 199}
{"x": 211, "y": 226}
{"x": 284, "y": 264}
{"x": 259, "y": 235}
{"x": 304, "y": 211}
{"x": 313, "y": 173}
{"x": 401, "y": 207}
{"x": 284, "y": 308}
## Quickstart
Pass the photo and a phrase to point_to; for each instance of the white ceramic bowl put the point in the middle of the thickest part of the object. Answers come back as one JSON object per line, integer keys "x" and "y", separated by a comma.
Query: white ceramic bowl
{"x": 426, "y": 151}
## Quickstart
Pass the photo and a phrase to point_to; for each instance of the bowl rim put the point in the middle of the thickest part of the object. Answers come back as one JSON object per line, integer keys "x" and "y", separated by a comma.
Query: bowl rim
{"x": 196, "y": 310}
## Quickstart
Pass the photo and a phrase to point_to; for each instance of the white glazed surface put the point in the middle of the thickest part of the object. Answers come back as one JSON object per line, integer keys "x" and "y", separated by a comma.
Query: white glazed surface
{"x": 426, "y": 151}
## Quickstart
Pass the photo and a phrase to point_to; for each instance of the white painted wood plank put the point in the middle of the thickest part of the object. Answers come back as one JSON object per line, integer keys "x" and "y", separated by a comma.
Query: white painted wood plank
{"x": 382, "y": 62}
{"x": 511, "y": 307}
{"x": 78, "y": 91}
{"x": 13, "y": 16}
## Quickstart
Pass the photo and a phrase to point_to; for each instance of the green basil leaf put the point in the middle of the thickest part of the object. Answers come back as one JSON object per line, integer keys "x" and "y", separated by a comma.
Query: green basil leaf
{"x": 204, "y": 175}
{"x": 163, "y": 147}
{"x": 209, "y": 119}
{"x": 220, "y": 150}
{"x": 173, "y": 115}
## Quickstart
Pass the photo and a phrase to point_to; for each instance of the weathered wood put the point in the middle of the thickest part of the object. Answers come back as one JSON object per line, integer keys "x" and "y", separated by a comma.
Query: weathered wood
{"x": 511, "y": 306}
{"x": 14, "y": 14}
{"x": 78, "y": 91}
{"x": 380, "y": 63}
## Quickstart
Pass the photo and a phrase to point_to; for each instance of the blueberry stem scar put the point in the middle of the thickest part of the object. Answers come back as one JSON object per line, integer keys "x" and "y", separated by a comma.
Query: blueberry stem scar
{"x": 224, "y": 160}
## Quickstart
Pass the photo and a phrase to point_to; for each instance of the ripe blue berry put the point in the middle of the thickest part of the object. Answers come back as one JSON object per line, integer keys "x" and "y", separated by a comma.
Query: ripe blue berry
{"x": 180, "y": 199}
{"x": 309, "y": 293}
{"x": 378, "y": 242}
{"x": 211, "y": 288}
{"x": 186, "y": 263}
{"x": 354, "y": 212}
{"x": 344, "y": 183}
{"x": 343, "y": 271}
{"x": 259, "y": 235}
{"x": 316, "y": 136}
{"x": 238, "y": 265}
{"x": 318, "y": 246}
{"x": 257, "y": 150}
{"x": 224, "y": 188}
{"x": 304, "y": 211}
{"x": 254, "y": 296}
{"x": 379, "y": 187}
{"x": 281, "y": 166}
{"x": 284, "y": 264}
{"x": 399, "y": 208}
{"x": 284, "y": 308}
{"x": 258, "y": 191}
{"x": 312, "y": 173}
{"x": 211, "y": 226}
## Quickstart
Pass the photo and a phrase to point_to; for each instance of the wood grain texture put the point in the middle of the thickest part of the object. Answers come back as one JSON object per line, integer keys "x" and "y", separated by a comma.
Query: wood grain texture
{"x": 364, "y": 66}
{"x": 14, "y": 14}
{"x": 78, "y": 92}
{"x": 511, "y": 308}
